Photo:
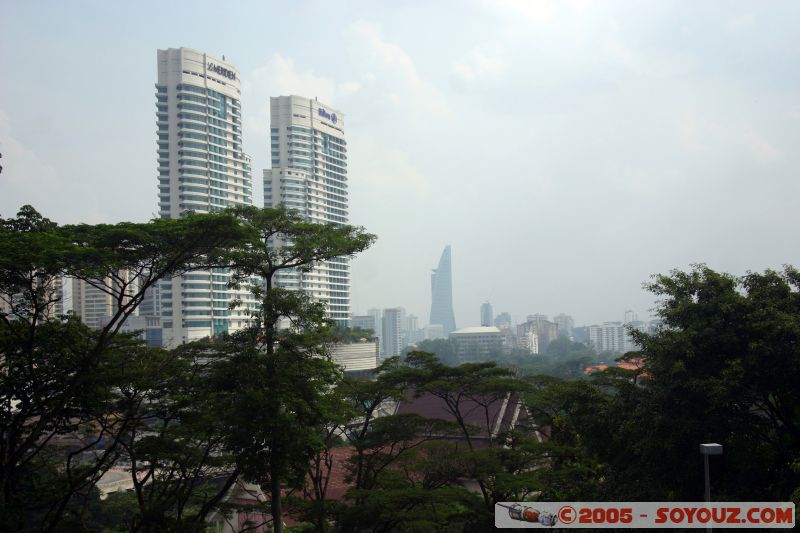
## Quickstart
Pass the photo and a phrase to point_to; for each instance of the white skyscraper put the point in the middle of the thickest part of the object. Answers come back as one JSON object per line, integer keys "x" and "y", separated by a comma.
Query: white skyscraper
{"x": 309, "y": 175}
{"x": 201, "y": 168}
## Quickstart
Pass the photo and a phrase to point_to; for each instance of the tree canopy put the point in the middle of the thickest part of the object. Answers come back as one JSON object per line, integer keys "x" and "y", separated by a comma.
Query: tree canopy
{"x": 267, "y": 406}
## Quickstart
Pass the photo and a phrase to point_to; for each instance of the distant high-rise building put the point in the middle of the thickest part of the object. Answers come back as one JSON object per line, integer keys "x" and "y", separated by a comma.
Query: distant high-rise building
{"x": 96, "y": 302}
{"x": 391, "y": 341}
{"x": 151, "y": 302}
{"x": 486, "y": 314}
{"x": 377, "y": 318}
{"x": 653, "y": 326}
{"x": 442, "y": 294}
{"x": 636, "y": 325}
{"x": 565, "y": 325}
{"x": 403, "y": 322}
{"x": 51, "y": 289}
{"x": 201, "y": 168}
{"x": 363, "y": 322}
{"x": 580, "y": 334}
{"x": 309, "y": 175}
{"x": 503, "y": 321}
{"x": 528, "y": 340}
{"x": 546, "y": 331}
{"x": 412, "y": 330}
{"x": 413, "y": 322}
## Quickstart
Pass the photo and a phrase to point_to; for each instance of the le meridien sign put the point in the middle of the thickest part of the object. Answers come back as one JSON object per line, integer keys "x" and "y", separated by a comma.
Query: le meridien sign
{"x": 329, "y": 116}
{"x": 222, "y": 71}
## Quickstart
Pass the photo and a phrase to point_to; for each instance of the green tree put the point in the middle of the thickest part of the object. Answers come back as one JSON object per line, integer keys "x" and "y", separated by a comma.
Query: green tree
{"x": 57, "y": 377}
{"x": 468, "y": 392}
{"x": 444, "y": 349}
{"x": 284, "y": 387}
{"x": 179, "y": 464}
{"x": 724, "y": 368}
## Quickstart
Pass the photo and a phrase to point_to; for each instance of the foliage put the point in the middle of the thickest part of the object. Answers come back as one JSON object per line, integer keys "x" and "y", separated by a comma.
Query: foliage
{"x": 723, "y": 369}
{"x": 179, "y": 419}
{"x": 564, "y": 347}
{"x": 58, "y": 378}
{"x": 443, "y": 349}
{"x": 267, "y": 404}
{"x": 346, "y": 335}
{"x": 285, "y": 388}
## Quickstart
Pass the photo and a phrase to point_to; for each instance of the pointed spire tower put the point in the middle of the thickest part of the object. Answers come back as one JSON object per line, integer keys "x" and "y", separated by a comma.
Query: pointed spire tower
{"x": 442, "y": 294}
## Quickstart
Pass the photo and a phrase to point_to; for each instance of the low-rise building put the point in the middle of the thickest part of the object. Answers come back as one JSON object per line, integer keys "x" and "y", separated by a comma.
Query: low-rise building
{"x": 477, "y": 343}
{"x": 433, "y": 332}
{"x": 360, "y": 357}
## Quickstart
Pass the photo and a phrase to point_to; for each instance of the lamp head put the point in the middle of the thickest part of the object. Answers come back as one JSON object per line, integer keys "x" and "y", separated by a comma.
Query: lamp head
{"x": 711, "y": 449}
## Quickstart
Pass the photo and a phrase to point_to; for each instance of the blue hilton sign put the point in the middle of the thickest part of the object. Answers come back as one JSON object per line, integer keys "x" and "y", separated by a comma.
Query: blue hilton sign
{"x": 329, "y": 116}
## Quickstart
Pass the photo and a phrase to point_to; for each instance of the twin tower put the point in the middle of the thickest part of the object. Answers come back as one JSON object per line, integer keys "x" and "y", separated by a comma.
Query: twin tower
{"x": 203, "y": 168}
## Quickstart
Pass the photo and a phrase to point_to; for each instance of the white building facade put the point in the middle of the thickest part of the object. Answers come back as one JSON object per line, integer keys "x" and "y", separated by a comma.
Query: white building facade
{"x": 201, "y": 168}
{"x": 392, "y": 339}
{"x": 476, "y": 343}
{"x": 613, "y": 337}
{"x": 357, "y": 357}
{"x": 309, "y": 175}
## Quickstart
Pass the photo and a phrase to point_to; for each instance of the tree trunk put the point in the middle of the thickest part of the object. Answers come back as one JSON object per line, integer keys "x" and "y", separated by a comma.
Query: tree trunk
{"x": 275, "y": 489}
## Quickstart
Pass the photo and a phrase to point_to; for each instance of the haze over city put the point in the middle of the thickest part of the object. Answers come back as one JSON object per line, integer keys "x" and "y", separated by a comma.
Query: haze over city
{"x": 565, "y": 150}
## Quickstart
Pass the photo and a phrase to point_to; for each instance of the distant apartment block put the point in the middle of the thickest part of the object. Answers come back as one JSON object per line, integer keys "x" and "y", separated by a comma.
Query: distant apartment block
{"x": 528, "y": 341}
{"x": 546, "y": 331}
{"x": 613, "y": 337}
{"x": 377, "y": 316}
{"x": 412, "y": 332}
{"x": 565, "y": 324}
{"x": 503, "y": 321}
{"x": 53, "y": 289}
{"x": 96, "y": 302}
{"x": 364, "y": 322}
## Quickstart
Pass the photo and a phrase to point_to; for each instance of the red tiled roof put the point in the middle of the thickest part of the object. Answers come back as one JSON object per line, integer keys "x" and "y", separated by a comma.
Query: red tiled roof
{"x": 474, "y": 413}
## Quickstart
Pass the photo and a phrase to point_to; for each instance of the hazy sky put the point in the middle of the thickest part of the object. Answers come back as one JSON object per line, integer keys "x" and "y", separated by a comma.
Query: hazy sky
{"x": 566, "y": 150}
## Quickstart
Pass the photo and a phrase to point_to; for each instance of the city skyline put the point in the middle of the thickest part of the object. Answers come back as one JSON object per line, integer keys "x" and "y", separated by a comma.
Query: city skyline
{"x": 636, "y": 143}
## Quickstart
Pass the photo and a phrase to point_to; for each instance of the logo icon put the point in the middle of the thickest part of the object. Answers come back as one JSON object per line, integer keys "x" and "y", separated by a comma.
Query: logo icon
{"x": 567, "y": 514}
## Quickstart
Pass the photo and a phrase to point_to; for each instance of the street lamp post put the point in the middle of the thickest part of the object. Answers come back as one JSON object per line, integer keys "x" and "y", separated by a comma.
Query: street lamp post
{"x": 706, "y": 450}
